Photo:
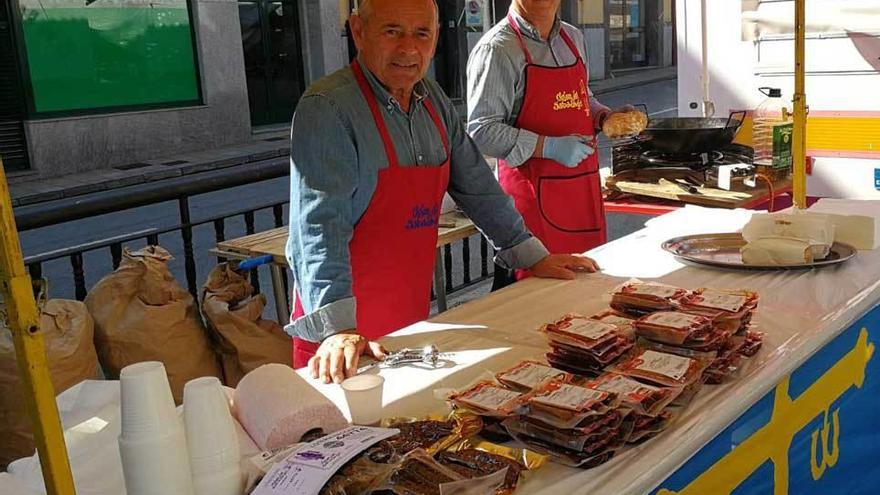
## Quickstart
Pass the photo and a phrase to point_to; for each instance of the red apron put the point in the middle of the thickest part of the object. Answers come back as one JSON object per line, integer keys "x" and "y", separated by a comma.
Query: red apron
{"x": 561, "y": 206}
{"x": 392, "y": 249}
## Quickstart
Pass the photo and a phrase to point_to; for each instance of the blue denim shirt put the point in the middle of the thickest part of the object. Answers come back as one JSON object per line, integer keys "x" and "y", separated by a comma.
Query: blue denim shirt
{"x": 336, "y": 154}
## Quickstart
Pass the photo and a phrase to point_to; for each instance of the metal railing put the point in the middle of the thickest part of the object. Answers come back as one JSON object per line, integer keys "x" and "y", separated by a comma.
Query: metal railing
{"x": 181, "y": 191}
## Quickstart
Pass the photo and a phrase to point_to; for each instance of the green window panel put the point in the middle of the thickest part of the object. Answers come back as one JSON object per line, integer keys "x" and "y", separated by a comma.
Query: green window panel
{"x": 88, "y": 55}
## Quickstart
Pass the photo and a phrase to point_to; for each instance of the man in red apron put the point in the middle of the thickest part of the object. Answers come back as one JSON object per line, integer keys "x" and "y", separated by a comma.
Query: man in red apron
{"x": 374, "y": 147}
{"x": 530, "y": 105}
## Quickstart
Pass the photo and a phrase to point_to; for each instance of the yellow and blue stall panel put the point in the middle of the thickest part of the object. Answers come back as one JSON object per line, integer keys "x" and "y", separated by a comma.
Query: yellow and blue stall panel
{"x": 817, "y": 432}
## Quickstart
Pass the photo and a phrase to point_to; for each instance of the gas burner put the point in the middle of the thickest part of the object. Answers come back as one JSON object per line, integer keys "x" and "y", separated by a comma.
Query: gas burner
{"x": 693, "y": 160}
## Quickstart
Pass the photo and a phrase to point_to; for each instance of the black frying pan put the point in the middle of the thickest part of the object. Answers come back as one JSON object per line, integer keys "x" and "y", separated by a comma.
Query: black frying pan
{"x": 683, "y": 135}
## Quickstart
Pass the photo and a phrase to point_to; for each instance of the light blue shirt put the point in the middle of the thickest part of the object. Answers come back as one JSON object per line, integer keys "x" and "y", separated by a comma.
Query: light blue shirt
{"x": 336, "y": 154}
{"x": 496, "y": 84}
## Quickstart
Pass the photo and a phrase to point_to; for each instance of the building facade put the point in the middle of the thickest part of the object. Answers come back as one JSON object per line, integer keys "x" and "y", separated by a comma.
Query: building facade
{"x": 90, "y": 84}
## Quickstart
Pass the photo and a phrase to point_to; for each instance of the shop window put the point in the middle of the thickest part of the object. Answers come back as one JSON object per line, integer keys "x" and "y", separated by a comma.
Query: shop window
{"x": 87, "y": 56}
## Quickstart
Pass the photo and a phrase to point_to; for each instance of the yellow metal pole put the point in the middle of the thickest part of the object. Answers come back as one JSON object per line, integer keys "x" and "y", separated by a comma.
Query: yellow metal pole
{"x": 24, "y": 322}
{"x": 799, "y": 138}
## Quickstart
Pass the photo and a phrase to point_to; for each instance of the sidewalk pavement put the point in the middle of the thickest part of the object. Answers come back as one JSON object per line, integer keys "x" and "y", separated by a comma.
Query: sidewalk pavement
{"x": 27, "y": 190}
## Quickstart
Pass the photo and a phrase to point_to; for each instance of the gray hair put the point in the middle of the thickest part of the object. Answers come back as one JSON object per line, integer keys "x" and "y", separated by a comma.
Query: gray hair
{"x": 365, "y": 8}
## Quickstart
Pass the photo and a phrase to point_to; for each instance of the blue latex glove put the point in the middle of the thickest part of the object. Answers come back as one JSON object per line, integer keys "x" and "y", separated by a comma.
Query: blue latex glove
{"x": 569, "y": 151}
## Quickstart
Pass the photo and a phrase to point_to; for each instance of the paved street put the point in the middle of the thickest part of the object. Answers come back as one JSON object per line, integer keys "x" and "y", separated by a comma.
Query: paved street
{"x": 660, "y": 98}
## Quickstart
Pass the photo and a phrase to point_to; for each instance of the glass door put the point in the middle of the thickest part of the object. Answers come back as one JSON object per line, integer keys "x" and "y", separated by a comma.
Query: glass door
{"x": 627, "y": 34}
{"x": 272, "y": 58}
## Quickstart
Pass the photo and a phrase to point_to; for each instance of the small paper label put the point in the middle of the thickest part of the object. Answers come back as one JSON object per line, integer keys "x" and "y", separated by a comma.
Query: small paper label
{"x": 591, "y": 329}
{"x": 570, "y": 397}
{"x": 664, "y": 364}
{"x": 720, "y": 300}
{"x": 662, "y": 291}
{"x": 617, "y": 321}
{"x": 307, "y": 469}
{"x": 490, "y": 398}
{"x": 673, "y": 320}
{"x": 531, "y": 374}
{"x": 624, "y": 386}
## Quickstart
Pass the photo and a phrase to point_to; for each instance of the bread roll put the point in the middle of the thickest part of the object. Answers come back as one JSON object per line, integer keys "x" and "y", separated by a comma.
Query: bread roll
{"x": 623, "y": 124}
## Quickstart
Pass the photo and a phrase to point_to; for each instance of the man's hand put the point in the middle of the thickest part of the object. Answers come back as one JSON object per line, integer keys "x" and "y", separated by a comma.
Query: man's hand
{"x": 569, "y": 151}
{"x": 337, "y": 357}
{"x": 563, "y": 266}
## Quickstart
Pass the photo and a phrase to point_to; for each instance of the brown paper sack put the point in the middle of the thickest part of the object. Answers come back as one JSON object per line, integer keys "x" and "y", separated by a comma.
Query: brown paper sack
{"x": 234, "y": 317}
{"x": 142, "y": 314}
{"x": 68, "y": 331}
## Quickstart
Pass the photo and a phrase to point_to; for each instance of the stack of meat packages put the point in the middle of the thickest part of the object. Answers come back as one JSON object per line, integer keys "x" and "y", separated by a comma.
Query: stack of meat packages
{"x": 575, "y": 425}
{"x": 586, "y": 345}
{"x": 705, "y": 323}
{"x": 547, "y": 410}
{"x": 621, "y": 376}
{"x": 576, "y": 421}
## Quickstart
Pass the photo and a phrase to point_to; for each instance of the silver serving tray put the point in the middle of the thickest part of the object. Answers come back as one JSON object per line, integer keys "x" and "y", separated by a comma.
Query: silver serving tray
{"x": 722, "y": 251}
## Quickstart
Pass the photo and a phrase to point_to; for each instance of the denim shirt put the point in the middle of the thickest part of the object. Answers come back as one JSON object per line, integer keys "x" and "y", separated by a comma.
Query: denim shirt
{"x": 336, "y": 155}
{"x": 496, "y": 84}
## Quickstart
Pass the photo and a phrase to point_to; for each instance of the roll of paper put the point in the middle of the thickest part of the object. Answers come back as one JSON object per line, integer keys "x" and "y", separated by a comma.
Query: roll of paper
{"x": 277, "y": 407}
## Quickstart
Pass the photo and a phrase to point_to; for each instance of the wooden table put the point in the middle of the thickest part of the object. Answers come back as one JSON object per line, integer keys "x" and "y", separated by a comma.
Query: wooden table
{"x": 454, "y": 226}
{"x": 665, "y": 201}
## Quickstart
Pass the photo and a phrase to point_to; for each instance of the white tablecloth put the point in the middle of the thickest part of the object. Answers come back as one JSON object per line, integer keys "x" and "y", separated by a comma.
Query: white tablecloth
{"x": 800, "y": 311}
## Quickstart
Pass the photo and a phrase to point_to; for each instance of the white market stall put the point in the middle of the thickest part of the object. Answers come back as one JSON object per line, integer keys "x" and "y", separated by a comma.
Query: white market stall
{"x": 814, "y": 383}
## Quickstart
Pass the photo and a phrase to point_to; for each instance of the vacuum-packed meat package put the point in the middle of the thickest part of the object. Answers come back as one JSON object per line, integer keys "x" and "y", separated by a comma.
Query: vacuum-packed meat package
{"x": 589, "y": 443}
{"x": 640, "y": 298}
{"x": 730, "y": 310}
{"x": 487, "y": 398}
{"x": 673, "y": 327}
{"x": 597, "y": 357}
{"x": 643, "y": 399}
{"x": 580, "y": 331}
{"x": 473, "y": 463}
{"x": 576, "y": 366}
{"x": 726, "y": 362}
{"x": 599, "y": 453}
{"x": 733, "y": 303}
{"x": 623, "y": 322}
{"x": 418, "y": 474}
{"x": 751, "y": 346}
{"x": 579, "y": 362}
{"x": 662, "y": 368}
{"x": 647, "y": 427}
{"x": 564, "y": 405}
{"x": 528, "y": 375}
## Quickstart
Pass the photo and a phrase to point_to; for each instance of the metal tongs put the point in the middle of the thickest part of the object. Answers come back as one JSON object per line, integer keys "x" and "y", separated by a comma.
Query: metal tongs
{"x": 426, "y": 355}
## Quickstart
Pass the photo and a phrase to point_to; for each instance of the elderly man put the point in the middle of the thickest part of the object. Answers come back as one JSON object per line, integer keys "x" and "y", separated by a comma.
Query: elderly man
{"x": 373, "y": 149}
{"x": 529, "y": 104}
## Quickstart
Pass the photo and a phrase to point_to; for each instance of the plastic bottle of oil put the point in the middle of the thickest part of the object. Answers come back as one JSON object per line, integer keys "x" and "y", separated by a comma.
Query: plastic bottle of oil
{"x": 771, "y": 135}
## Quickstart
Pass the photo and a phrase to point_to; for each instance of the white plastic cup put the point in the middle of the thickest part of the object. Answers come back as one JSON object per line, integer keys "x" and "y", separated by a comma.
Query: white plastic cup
{"x": 223, "y": 483}
{"x": 364, "y": 396}
{"x": 157, "y": 466}
{"x": 152, "y": 443}
{"x": 146, "y": 402}
{"x": 212, "y": 439}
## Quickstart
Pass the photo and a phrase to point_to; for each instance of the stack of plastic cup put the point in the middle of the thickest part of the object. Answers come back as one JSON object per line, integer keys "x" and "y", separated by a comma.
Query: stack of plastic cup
{"x": 152, "y": 443}
{"x": 364, "y": 396}
{"x": 212, "y": 439}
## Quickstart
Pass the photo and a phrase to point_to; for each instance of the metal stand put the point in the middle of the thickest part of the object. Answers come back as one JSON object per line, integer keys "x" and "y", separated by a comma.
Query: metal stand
{"x": 30, "y": 351}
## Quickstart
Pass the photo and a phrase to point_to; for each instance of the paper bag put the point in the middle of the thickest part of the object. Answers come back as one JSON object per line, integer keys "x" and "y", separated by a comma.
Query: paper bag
{"x": 234, "y": 317}
{"x": 142, "y": 314}
{"x": 68, "y": 331}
